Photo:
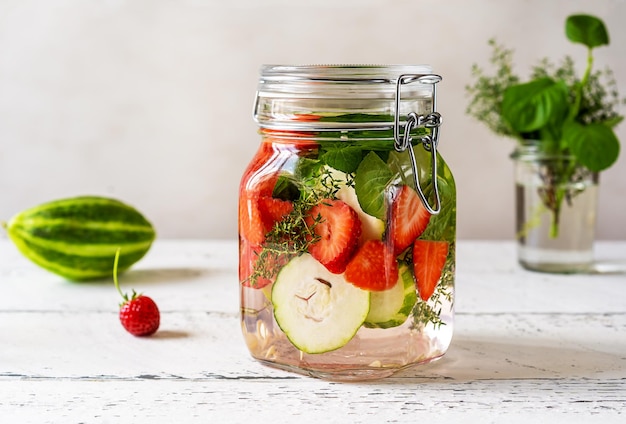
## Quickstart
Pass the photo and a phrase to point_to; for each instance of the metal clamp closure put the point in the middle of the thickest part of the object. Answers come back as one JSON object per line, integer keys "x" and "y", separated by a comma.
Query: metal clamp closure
{"x": 403, "y": 142}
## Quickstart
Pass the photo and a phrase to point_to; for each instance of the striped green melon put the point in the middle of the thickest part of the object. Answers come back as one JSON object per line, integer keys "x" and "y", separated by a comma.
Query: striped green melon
{"x": 77, "y": 237}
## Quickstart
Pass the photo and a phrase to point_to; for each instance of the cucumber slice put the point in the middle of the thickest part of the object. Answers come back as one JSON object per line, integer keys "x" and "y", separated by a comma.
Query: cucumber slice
{"x": 391, "y": 308}
{"x": 318, "y": 311}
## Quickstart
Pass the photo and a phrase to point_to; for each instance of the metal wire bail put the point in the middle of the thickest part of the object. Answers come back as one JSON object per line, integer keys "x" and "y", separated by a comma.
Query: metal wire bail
{"x": 403, "y": 141}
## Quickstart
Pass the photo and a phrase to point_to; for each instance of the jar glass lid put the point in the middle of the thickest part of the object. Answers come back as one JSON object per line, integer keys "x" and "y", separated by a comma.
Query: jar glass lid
{"x": 288, "y": 96}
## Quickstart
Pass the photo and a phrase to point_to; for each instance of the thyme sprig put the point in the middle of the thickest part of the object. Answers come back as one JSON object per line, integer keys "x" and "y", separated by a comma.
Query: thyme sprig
{"x": 292, "y": 236}
{"x": 487, "y": 90}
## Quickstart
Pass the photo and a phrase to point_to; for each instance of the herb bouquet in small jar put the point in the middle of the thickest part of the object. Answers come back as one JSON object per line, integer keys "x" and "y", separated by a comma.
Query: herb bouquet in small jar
{"x": 564, "y": 128}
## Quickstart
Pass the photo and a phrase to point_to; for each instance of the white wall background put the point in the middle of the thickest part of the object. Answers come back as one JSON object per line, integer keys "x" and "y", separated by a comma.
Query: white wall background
{"x": 150, "y": 101}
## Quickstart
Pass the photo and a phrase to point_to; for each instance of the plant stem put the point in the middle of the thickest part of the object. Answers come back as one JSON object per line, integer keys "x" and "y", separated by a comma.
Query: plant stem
{"x": 115, "y": 263}
{"x": 556, "y": 212}
{"x": 579, "y": 87}
{"x": 563, "y": 174}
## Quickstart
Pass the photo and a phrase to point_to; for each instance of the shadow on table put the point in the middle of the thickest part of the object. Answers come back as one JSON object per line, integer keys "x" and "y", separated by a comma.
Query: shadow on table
{"x": 170, "y": 334}
{"x": 137, "y": 277}
{"x": 165, "y": 275}
{"x": 498, "y": 359}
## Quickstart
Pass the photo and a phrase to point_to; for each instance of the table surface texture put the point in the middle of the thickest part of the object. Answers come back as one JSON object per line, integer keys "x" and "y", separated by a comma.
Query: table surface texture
{"x": 527, "y": 347}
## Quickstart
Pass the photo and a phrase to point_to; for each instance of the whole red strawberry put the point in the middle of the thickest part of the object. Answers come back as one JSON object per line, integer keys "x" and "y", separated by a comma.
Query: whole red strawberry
{"x": 139, "y": 315}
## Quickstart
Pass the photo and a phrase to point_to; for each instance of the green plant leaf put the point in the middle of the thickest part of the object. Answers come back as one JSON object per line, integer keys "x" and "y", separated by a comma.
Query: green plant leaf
{"x": 443, "y": 225}
{"x": 533, "y": 105}
{"x": 305, "y": 168}
{"x": 587, "y": 30}
{"x": 343, "y": 158}
{"x": 613, "y": 122}
{"x": 286, "y": 188}
{"x": 371, "y": 179}
{"x": 594, "y": 145}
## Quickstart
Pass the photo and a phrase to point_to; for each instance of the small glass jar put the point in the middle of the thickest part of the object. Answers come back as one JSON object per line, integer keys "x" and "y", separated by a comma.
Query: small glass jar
{"x": 347, "y": 223}
{"x": 556, "y": 202}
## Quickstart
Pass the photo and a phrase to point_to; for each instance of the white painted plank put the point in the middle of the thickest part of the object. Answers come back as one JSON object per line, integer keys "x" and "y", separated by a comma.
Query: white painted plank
{"x": 528, "y": 347}
{"x": 488, "y": 279}
{"x": 195, "y": 345}
{"x": 202, "y": 276}
{"x": 178, "y": 275}
{"x": 311, "y": 401}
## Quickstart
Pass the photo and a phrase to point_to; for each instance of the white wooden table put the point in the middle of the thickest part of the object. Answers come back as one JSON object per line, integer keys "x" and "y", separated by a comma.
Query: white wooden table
{"x": 528, "y": 347}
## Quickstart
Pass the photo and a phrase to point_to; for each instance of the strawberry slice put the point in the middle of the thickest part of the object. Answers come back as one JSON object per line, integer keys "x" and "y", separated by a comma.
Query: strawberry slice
{"x": 251, "y": 226}
{"x": 258, "y": 214}
{"x": 339, "y": 229}
{"x": 245, "y": 262}
{"x": 409, "y": 218}
{"x": 265, "y": 185}
{"x": 429, "y": 258}
{"x": 273, "y": 210}
{"x": 249, "y": 262}
{"x": 373, "y": 267}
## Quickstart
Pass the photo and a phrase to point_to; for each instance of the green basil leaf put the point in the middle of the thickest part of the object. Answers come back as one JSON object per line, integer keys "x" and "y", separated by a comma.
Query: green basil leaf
{"x": 288, "y": 186}
{"x": 443, "y": 225}
{"x": 306, "y": 168}
{"x": 587, "y": 30}
{"x": 613, "y": 122}
{"x": 594, "y": 145}
{"x": 370, "y": 182}
{"x": 530, "y": 106}
{"x": 286, "y": 189}
{"x": 343, "y": 158}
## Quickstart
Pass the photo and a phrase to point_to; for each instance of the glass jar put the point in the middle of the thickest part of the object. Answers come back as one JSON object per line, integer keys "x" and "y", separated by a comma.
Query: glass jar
{"x": 556, "y": 202}
{"x": 347, "y": 223}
